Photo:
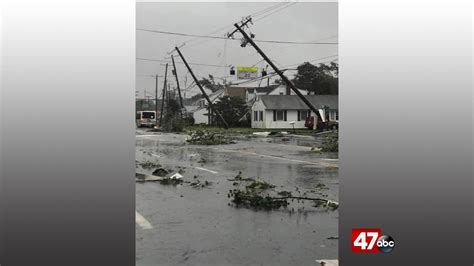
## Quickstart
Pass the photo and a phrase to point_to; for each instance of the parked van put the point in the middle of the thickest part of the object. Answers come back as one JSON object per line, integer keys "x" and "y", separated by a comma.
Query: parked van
{"x": 146, "y": 118}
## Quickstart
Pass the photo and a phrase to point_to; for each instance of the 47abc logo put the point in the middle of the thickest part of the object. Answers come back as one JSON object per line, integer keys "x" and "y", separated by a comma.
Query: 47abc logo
{"x": 371, "y": 240}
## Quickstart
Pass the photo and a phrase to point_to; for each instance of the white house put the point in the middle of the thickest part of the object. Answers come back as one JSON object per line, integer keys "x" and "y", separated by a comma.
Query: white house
{"x": 254, "y": 93}
{"x": 201, "y": 114}
{"x": 285, "y": 90}
{"x": 277, "y": 111}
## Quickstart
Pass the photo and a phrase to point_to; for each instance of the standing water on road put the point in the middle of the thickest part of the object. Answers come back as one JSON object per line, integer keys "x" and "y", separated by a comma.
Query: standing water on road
{"x": 194, "y": 222}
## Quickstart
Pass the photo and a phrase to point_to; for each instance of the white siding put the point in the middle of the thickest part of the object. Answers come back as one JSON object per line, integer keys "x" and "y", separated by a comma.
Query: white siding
{"x": 291, "y": 115}
{"x": 333, "y": 115}
{"x": 200, "y": 116}
{"x": 281, "y": 90}
{"x": 257, "y": 107}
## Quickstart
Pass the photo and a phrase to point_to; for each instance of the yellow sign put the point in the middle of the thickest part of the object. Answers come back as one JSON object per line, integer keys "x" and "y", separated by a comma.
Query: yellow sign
{"x": 247, "y": 72}
{"x": 251, "y": 69}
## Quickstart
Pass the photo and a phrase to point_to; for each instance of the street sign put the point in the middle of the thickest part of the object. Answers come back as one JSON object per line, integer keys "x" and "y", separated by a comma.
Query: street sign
{"x": 247, "y": 72}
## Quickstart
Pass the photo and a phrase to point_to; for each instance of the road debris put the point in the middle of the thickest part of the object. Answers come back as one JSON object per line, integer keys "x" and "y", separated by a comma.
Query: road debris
{"x": 198, "y": 184}
{"x": 147, "y": 178}
{"x": 204, "y": 137}
{"x": 261, "y": 134}
{"x": 239, "y": 177}
{"x": 176, "y": 176}
{"x": 261, "y": 195}
{"x": 330, "y": 143}
{"x": 175, "y": 179}
{"x": 160, "y": 172}
{"x": 149, "y": 165}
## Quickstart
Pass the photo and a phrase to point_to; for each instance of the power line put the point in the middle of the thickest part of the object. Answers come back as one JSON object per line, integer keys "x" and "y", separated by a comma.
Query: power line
{"x": 268, "y": 9}
{"x": 151, "y": 75}
{"x": 256, "y": 14}
{"x": 166, "y": 61}
{"x": 317, "y": 59}
{"x": 224, "y": 38}
{"x": 255, "y": 79}
{"x": 278, "y": 10}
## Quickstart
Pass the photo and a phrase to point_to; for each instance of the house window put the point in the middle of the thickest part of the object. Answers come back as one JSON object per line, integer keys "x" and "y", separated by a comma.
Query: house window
{"x": 261, "y": 116}
{"x": 279, "y": 115}
{"x": 255, "y": 115}
{"x": 336, "y": 113}
{"x": 303, "y": 114}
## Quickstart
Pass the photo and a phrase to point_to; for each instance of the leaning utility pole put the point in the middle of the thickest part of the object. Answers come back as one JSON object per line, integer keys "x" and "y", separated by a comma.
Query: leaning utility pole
{"x": 168, "y": 98}
{"x": 211, "y": 106}
{"x": 247, "y": 39}
{"x": 156, "y": 100}
{"x": 163, "y": 98}
{"x": 177, "y": 83}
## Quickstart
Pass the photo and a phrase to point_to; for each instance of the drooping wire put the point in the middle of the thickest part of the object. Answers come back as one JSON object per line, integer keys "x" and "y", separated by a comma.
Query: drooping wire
{"x": 276, "y": 11}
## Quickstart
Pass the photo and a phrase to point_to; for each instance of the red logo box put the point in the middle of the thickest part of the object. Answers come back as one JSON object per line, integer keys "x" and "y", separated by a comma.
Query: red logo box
{"x": 364, "y": 240}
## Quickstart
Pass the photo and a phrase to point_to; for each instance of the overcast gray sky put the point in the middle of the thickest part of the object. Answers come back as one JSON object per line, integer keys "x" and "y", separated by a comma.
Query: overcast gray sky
{"x": 298, "y": 22}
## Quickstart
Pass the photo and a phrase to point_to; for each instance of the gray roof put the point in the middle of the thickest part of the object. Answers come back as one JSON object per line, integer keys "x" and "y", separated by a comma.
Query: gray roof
{"x": 293, "y": 102}
{"x": 264, "y": 90}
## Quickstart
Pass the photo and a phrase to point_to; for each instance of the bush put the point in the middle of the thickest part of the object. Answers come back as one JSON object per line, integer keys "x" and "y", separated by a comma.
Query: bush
{"x": 331, "y": 143}
{"x": 172, "y": 121}
{"x": 173, "y": 124}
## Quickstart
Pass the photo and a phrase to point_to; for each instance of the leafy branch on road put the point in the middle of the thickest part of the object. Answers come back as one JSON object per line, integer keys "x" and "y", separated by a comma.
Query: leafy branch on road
{"x": 258, "y": 194}
{"x": 204, "y": 137}
{"x": 330, "y": 143}
{"x": 149, "y": 165}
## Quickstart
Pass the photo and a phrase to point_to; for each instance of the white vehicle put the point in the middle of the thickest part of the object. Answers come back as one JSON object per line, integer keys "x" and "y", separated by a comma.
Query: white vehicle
{"x": 146, "y": 118}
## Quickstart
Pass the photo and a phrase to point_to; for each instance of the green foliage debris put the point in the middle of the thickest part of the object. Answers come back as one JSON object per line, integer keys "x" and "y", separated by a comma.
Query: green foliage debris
{"x": 171, "y": 181}
{"x": 259, "y": 194}
{"x": 149, "y": 165}
{"x": 204, "y": 137}
{"x": 330, "y": 143}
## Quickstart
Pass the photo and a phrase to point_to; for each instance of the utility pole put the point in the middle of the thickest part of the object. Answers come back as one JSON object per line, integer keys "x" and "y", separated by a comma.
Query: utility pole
{"x": 177, "y": 83}
{"x": 211, "y": 106}
{"x": 163, "y": 98}
{"x": 156, "y": 100}
{"x": 168, "y": 95}
{"x": 280, "y": 73}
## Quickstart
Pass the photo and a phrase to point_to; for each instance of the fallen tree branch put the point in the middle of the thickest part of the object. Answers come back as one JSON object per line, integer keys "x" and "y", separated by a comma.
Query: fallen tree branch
{"x": 301, "y": 198}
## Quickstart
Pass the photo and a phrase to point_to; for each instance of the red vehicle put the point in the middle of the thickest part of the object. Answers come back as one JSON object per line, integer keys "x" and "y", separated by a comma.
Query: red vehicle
{"x": 328, "y": 125}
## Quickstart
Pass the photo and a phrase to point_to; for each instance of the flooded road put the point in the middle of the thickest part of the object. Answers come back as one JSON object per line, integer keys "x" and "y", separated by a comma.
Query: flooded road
{"x": 184, "y": 225}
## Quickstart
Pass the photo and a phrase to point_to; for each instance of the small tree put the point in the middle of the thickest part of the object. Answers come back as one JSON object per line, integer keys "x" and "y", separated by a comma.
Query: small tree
{"x": 322, "y": 79}
{"x": 172, "y": 121}
{"x": 233, "y": 109}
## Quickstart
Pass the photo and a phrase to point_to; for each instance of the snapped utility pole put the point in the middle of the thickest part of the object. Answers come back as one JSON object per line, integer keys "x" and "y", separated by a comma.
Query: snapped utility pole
{"x": 177, "y": 83}
{"x": 163, "y": 98}
{"x": 247, "y": 39}
{"x": 211, "y": 106}
{"x": 156, "y": 100}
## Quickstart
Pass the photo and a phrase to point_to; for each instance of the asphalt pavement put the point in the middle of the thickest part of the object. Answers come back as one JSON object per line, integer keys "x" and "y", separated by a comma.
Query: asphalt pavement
{"x": 185, "y": 225}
